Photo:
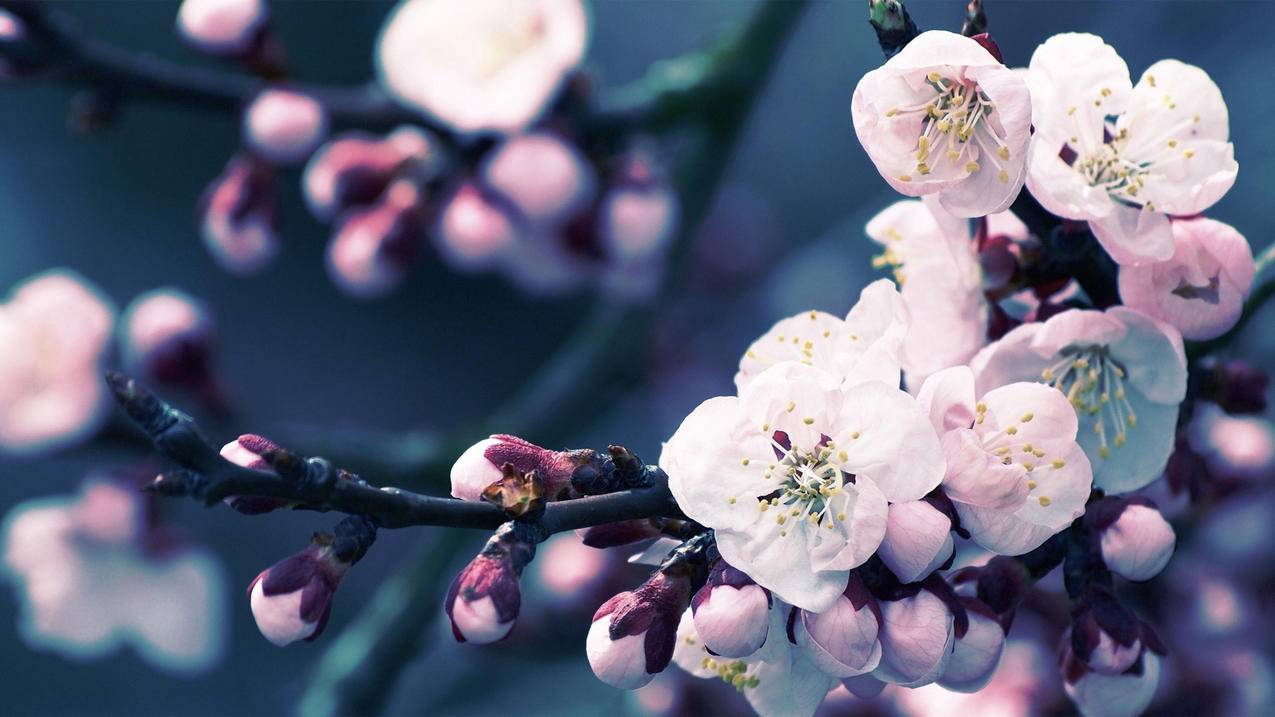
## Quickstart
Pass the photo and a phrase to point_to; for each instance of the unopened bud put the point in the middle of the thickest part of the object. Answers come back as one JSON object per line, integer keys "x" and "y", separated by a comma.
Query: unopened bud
{"x": 1105, "y": 636}
{"x": 543, "y": 177}
{"x": 1136, "y": 540}
{"x": 474, "y": 230}
{"x": 916, "y": 639}
{"x": 1124, "y": 694}
{"x": 842, "y": 641}
{"x": 918, "y": 539}
{"x": 639, "y": 213}
{"x": 484, "y": 599}
{"x": 977, "y": 653}
{"x": 247, "y": 451}
{"x": 355, "y": 168}
{"x": 221, "y": 27}
{"x": 169, "y": 338}
{"x": 731, "y": 612}
{"x": 239, "y": 216}
{"x": 480, "y": 465}
{"x": 372, "y": 248}
{"x": 284, "y": 126}
{"x": 633, "y": 633}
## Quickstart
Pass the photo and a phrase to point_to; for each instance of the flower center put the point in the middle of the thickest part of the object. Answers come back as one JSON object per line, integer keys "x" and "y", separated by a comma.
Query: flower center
{"x": 1011, "y": 449}
{"x": 807, "y": 480}
{"x": 735, "y": 673}
{"x": 955, "y": 128}
{"x": 1094, "y": 384}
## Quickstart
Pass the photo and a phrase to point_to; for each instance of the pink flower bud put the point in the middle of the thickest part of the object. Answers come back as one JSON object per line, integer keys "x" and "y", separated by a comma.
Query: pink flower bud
{"x": 544, "y": 178}
{"x": 1124, "y": 694}
{"x": 1139, "y": 543}
{"x": 731, "y": 612}
{"x": 1201, "y": 289}
{"x": 372, "y": 248}
{"x": 291, "y": 599}
{"x": 239, "y": 216}
{"x": 353, "y": 169}
{"x": 484, "y": 599}
{"x": 247, "y": 451}
{"x": 221, "y": 27}
{"x": 633, "y": 634}
{"x": 842, "y": 640}
{"x": 473, "y": 230}
{"x": 639, "y": 214}
{"x": 977, "y": 653}
{"x": 1105, "y": 636}
{"x": 918, "y": 539}
{"x": 916, "y": 640}
{"x": 284, "y": 126}
{"x": 168, "y": 338}
{"x": 479, "y": 466}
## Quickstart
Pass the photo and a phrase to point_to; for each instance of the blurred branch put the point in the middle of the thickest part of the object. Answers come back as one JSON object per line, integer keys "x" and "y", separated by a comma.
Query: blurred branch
{"x": 315, "y": 483}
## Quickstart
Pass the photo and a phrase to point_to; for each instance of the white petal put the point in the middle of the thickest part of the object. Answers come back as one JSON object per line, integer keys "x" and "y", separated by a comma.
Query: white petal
{"x": 888, "y": 438}
{"x": 948, "y": 398}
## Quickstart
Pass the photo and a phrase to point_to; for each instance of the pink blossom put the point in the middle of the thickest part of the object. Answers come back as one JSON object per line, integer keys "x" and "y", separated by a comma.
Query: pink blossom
{"x": 544, "y": 178}
{"x": 1125, "y": 694}
{"x": 372, "y": 248}
{"x": 168, "y": 336}
{"x": 473, "y": 230}
{"x": 480, "y": 465}
{"x": 284, "y": 126}
{"x": 731, "y": 612}
{"x": 221, "y": 27}
{"x": 842, "y": 641}
{"x": 484, "y": 599}
{"x": 486, "y": 66}
{"x": 239, "y": 216}
{"x": 977, "y": 653}
{"x": 916, "y": 640}
{"x": 355, "y": 168}
{"x": 291, "y": 599}
{"x": 1200, "y": 290}
{"x": 1138, "y": 544}
{"x": 56, "y": 329}
{"x": 1166, "y": 153}
{"x": 248, "y": 451}
{"x": 945, "y": 117}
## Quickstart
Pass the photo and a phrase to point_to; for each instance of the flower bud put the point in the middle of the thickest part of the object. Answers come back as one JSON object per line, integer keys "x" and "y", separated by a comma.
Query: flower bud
{"x": 1124, "y": 694}
{"x": 633, "y": 633}
{"x": 354, "y": 168}
{"x": 639, "y": 214}
{"x": 1105, "y": 636}
{"x": 473, "y": 230}
{"x": 543, "y": 177}
{"x": 1138, "y": 543}
{"x": 372, "y": 248}
{"x": 247, "y": 451}
{"x": 916, "y": 640}
{"x": 842, "y": 641}
{"x": 918, "y": 539}
{"x": 221, "y": 27}
{"x": 731, "y": 612}
{"x": 291, "y": 600}
{"x": 168, "y": 338}
{"x": 977, "y": 653}
{"x": 484, "y": 599}
{"x": 480, "y": 465}
{"x": 239, "y": 216}
{"x": 283, "y": 126}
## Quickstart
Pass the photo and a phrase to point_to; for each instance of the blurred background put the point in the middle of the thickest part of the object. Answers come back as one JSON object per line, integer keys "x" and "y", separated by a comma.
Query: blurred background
{"x": 300, "y": 359}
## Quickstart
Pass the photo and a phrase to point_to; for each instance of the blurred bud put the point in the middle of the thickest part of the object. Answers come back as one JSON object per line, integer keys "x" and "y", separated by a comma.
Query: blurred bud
{"x": 916, "y": 639}
{"x": 372, "y": 249}
{"x": 633, "y": 633}
{"x": 239, "y": 216}
{"x": 1136, "y": 541}
{"x": 1236, "y": 386}
{"x": 291, "y": 600}
{"x": 918, "y": 539}
{"x": 624, "y": 532}
{"x": 11, "y": 28}
{"x": 544, "y": 178}
{"x": 484, "y": 599}
{"x": 843, "y": 641}
{"x": 247, "y": 451}
{"x": 480, "y": 465}
{"x": 1236, "y": 448}
{"x": 169, "y": 339}
{"x": 977, "y": 653}
{"x": 473, "y": 230}
{"x": 354, "y": 168}
{"x": 283, "y": 126}
{"x": 639, "y": 212}
{"x": 731, "y": 612}
{"x": 221, "y": 27}
{"x": 1124, "y": 694}
{"x": 1104, "y": 635}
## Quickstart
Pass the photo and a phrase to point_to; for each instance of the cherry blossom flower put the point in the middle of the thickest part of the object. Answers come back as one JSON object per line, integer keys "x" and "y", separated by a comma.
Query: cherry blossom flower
{"x": 1200, "y": 290}
{"x": 1165, "y": 154}
{"x": 1015, "y": 472}
{"x": 864, "y": 346}
{"x": 778, "y": 680}
{"x": 794, "y": 475}
{"x": 486, "y": 66}
{"x": 373, "y": 247}
{"x": 92, "y": 577}
{"x": 222, "y": 27}
{"x": 1124, "y": 373}
{"x": 55, "y": 328}
{"x": 945, "y": 117}
{"x": 284, "y": 126}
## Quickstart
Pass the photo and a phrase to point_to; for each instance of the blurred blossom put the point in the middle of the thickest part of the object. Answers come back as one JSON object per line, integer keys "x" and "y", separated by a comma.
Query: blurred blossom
{"x": 1165, "y": 154}
{"x": 92, "y": 576}
{"x": 11, "y": 28}
{"x": 169, "y": 337}
{"x": 372, "y": 248}
{"x": 1239, "y": 447}
{"x": 481, "y": 66}
{"x": 544, "y": 178}
{"x": 355, "y": 168}
{"x": 221, "y": 27}
{"x": 638, "y": 219}
{"x": 56, "y": 329}
{"x": 1238, "y": 532}
{"x": 239, "y": 216}
{"x": 473, "y": 231}
{"x": 1201, "y": 289}
{"x": 284, "y": 126}
{"x": 945, "y": 117}
{"x": 567, "y": 569}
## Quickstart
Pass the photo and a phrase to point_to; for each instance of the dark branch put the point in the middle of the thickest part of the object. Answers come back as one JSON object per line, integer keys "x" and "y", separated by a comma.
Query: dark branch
{"x": 316, "y": 484}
